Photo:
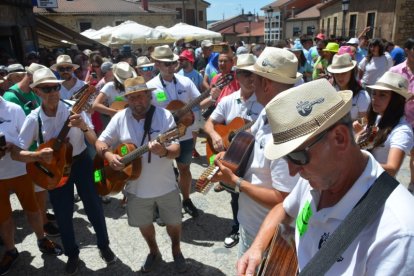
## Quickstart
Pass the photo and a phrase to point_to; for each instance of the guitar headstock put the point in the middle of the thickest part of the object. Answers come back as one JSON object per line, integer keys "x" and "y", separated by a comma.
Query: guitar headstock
{"x": 224, "y": 80}
{"x": 172, "y": 134}
{"x": 83, "y": 98}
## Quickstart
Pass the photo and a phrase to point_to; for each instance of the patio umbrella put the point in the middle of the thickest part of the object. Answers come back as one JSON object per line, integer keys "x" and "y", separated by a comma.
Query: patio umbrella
{"x": 189, "y": 32}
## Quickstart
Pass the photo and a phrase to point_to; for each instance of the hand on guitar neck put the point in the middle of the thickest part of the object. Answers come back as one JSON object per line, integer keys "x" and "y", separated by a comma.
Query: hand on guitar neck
{"x": 223, "y": 173}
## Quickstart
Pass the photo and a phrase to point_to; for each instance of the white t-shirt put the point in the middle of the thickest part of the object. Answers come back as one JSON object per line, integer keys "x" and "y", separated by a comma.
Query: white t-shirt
{"x": 66, "y": 94}
{"x": 385, "y": 247}
{"x": 273, "y": 174}
{"x": 401, "y": 137}
{"x": 360, "y": 103}
{"x": 182, "y": 89}
{"x": 51, "y": 126}
{"x": 157, "y": 178}
{"x": 233, "y": 106}
{"x": 111, "y": 93}
{"x": 11, "y": 120}
{"x": 374, "y": 69}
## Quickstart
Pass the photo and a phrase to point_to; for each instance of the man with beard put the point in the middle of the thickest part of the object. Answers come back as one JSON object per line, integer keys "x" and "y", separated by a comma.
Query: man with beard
{"x": 65, "y": 69}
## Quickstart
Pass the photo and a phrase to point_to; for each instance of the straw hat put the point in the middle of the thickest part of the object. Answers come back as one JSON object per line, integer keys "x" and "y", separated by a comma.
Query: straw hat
{"x": 63, "y": 60}
{"x": 244, "y": 60}
{"x": 302, "y": 112}
{"x": 394, "y": 82}
{"x": 14, "y": 69}
{"x": 332, "y": 47}
{"x": 135, "y": 85}
{"x": 277, "y": 65}
{"x": 44, "y": 75}
{"x": 341, "y": 64}
{"x": 122, "y": 71}
{"x": 164, "y": 53}
{"x": 144, "y": 62}
{"x": 34, "y": 67}
{"x": 206, "y": 43}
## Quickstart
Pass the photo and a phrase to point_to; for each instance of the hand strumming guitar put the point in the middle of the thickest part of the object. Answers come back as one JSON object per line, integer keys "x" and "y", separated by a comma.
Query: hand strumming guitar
{"x": 248, "y": 263}
{"x": 224, "y": 174}
{"x": 217, "y": 142}
{"x": 114, "y": 160}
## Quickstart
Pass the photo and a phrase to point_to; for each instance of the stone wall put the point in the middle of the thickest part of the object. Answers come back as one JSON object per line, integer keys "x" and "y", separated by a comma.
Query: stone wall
{"x": 404, "y": 25}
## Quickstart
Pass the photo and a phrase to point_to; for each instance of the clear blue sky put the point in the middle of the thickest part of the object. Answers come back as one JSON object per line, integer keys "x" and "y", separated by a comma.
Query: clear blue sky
{"x": 230, "y": 8}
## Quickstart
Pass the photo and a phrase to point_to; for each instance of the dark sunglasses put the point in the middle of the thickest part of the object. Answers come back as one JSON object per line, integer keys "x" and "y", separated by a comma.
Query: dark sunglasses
{"x": 243, "y": 73}
{"x": 63, "y": 69}
{"x": 147, "y": 69}
{"x": 50, "y": 89}
{"x": 168, "y": 64}
{"x": 301, "y": 157}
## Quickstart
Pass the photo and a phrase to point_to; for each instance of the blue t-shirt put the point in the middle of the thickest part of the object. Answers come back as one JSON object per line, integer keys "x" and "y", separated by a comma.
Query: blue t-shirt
{"x": 195, "y": 76}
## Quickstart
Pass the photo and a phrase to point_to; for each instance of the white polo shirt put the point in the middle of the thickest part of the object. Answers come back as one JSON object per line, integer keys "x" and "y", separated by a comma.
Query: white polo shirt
{"x": 111, "y": 93}
{"x": 182, "y": 89}
{"x": 51, "y": 126}
{"x": 66, "y": 94}
{"x": 11, "y": 120}
{"x": 157, "y": 178}
{"x": 273, "y": 174}
{"x": 386, "y": 247}
{"x": 233, "y": 106}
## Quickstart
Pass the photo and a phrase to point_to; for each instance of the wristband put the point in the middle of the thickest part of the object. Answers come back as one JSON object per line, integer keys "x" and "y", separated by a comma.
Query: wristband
{"x": 238, "y": 184}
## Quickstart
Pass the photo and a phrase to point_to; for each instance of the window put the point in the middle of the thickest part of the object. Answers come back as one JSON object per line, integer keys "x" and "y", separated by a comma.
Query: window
{"x": 328, "y": 27}
{"x": 119, "y": 22}
{"x": 310, "y": 30}
{"x": 323, "y": 24}
{"x": 371, "y": 22}
{"x": 200, "y": 16}
{"x": 352, "y": 25}
{"x": 296, "y": 31}
{"x": 83, "y": 26}
{"x": 179, "y": 13}
{"x": 335, "y": 25}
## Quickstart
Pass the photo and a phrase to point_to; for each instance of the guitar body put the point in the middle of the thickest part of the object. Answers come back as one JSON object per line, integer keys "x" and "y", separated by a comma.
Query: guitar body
{"x": 110, "y": 181}
{"x": 186, "y": 119}
{"x": 119, "y": 105}
{"x": 281, "y": 257}
{"x": 49, "y": 176}
{"x": 226, "y": 132}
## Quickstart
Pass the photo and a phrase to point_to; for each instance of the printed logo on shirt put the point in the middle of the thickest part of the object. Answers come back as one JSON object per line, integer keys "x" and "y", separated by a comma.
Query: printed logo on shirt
{"x": 303, "y": 219}
{"x": 161, "y": 96}
{"x": 305, "y": 108}
{"x": 154, "y": 131}
{"x": 323, "y": 239}
{"x": 4, "y": 121}
{"x": 181, "y": 91}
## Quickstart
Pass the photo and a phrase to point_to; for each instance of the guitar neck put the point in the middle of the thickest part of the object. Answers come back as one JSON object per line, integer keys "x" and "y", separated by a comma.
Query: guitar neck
{"x": 134, "y": 154}
{"x": 192, "y": 103}
{"x": 246, "y": 126}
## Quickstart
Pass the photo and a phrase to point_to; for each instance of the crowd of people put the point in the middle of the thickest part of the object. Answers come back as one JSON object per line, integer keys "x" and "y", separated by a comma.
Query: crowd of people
{"x": 328, "y": 118}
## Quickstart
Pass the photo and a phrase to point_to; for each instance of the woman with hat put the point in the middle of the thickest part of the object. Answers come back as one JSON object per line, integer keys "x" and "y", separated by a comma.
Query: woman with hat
{"x": 344, "y": 78}
{"x": 394, "y": 136}
{"x": 303, "y": 66}
{"x": 114, "y": 90}
{"x": 319, "y": 69}
{"x": 375, "y": 64}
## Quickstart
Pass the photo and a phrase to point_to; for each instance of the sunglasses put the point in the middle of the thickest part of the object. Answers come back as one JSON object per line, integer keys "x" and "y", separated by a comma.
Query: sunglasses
{"x": 50, "y": 89}
{"x": 65, "y": 69}
{"x": 147, "y": 68}
{"x": 168, "y": 64}
{"x": 301, "y": 157}
{"x": 243, "y": 73}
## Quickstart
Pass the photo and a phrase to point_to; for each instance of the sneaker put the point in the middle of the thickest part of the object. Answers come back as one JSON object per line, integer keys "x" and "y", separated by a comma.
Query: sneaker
{"x": 190, "y": 208}
{"x": 8, "y": 260}
{"x": 107, "y": 255}
{"x": 51, "y": 230}
{"x": 180, "y": 263}
{"x": 195, "y": 154}
{"x": 49, "y": 247}
{"x": 218, "y": 188}
{"x": 72, "y": 265}
{"x": 105, "y": 199}
{"x": 50, "y": 217}
{"x": 151, "y": 261}
{"x": 231, "y": 240}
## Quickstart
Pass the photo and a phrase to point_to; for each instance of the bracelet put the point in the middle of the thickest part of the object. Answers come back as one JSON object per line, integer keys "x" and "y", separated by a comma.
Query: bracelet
{"x": 238, "y": 184}
{"x": 166, "y": 153}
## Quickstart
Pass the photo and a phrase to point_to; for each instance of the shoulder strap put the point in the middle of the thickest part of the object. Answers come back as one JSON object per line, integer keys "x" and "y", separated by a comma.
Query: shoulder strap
{"x": 366, "y": 210}
{"x": 22, "y": 99}
{"x": 39, "y": 121}
{"x": 147, "y": 128}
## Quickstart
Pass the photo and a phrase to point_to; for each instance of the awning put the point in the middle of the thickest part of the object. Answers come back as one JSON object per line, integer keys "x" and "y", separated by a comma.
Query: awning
{"x": 52, "y": 35}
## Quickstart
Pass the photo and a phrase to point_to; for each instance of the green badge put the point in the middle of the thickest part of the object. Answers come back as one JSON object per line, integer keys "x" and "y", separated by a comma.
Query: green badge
{"x": 119, "y": 98}
{"x": 211, "y": 160}
{"x": 124, "y": 150}
{"x": 98, "y": 176}
{"x": 303, "y": 219}
{"x": 161, "y": 96}
{"x": 212, "y": 75}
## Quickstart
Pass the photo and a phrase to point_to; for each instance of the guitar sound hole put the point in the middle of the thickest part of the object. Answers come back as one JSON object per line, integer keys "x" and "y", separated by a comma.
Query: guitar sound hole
{"x": 231, "y": 136}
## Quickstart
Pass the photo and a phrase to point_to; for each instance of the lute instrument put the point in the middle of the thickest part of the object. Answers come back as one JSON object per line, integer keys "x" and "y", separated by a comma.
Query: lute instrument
{"x": 235, "y": 158}
{"x": 110, "y": 181}
{"x": 54, "y": 175}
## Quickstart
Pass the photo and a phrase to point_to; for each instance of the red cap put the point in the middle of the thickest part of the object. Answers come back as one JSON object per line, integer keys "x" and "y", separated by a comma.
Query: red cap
{"x": 188, "y": 55}
{"x": 321, "y": 36}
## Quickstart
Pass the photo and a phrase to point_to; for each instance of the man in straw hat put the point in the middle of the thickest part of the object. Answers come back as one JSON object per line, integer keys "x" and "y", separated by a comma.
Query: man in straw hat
{"x": 312, "y": 130}
{"x": 65, "y": 69}
{"x": 15, "y": 73}
{"x": 156, "y": 185}
{"x": 168, "y": 87}
{"x": 45, "y": 123}
{"x": 242, "y": 104}
{"x": 14, "y": 179}
{"x": 22, "y": 94}
{"x": 266, "y": 182}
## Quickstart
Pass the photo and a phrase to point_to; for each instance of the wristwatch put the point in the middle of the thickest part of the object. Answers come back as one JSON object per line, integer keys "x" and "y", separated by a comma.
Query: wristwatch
{"x": 238, "y": 183}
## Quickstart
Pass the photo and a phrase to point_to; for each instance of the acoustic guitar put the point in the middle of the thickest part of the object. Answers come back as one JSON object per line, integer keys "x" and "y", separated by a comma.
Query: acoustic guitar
{"x": 119, "y": 105}
{"x": 54, "y": 175}
{"x": 182, "y": 112}
{"x": 110, "y": 181}
{"x": 235, "y": 158}
{"x": 366, "y": 137}
{"x": 227, "y": 133}
{"x": 280, "y": 258}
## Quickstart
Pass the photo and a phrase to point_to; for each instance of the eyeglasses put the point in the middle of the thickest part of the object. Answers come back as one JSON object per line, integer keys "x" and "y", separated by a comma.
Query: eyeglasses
{"x": 147, "y": 69}
{"x": 168, "y": 64}
{"x": 50, "y": 89}
{"x": 301, "y": 157}
{"x": 63, "y": 69}
{"x": 243, "y": 73}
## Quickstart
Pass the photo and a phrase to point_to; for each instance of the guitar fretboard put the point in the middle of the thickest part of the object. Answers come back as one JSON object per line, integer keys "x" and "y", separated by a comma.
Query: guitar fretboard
{"x": 204, "y": 183}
